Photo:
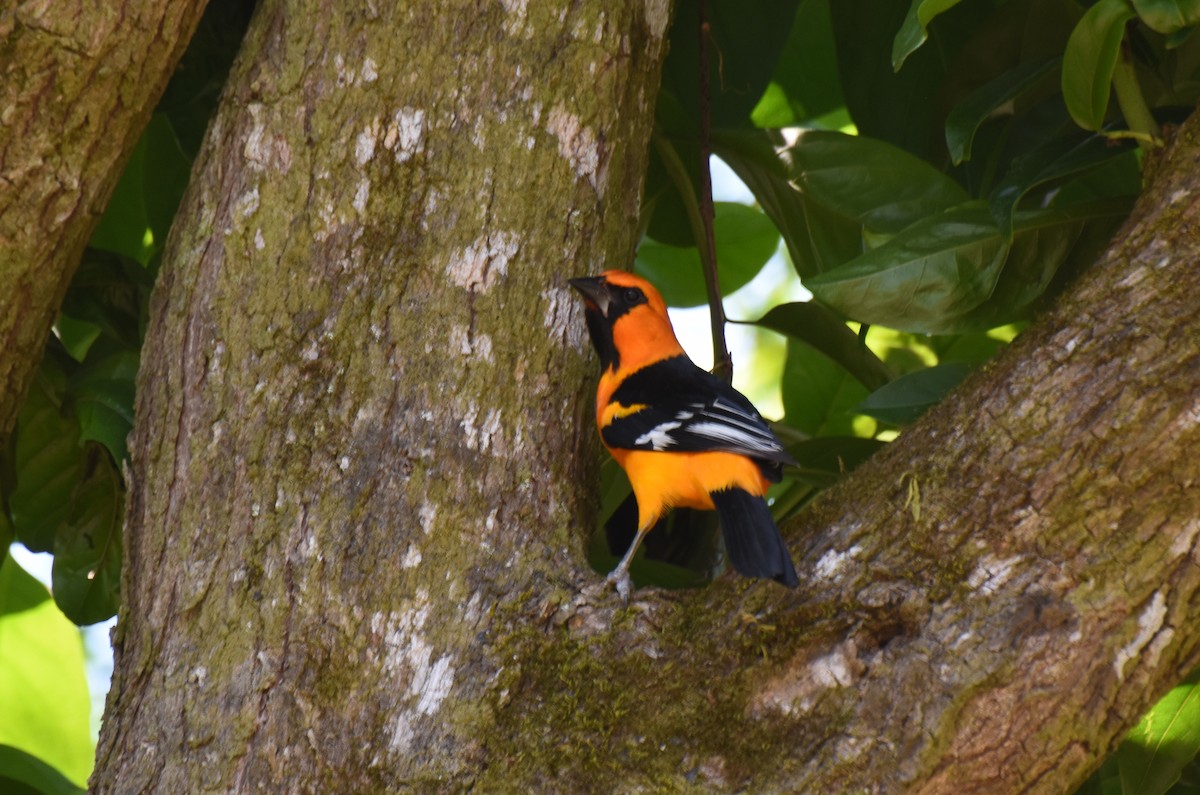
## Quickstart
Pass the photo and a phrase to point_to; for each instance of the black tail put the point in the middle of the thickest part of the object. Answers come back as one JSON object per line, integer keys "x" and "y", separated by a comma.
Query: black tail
{"x": 751, "y": 538}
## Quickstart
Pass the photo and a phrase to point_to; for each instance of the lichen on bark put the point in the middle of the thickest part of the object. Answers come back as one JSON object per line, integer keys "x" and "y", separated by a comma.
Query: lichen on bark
{"x": 359, "y": 382}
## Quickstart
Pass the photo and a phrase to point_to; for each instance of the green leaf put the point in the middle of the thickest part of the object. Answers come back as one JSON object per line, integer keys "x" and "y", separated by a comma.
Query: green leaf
{"x": 909, "y": 396}
{"x": 76, "y": 336}
{"x": 46, "y": 458}
{"x": 819, "y": 395}
{"x": 939, "y": 268}
{"x": 820, "y": 328}
{"x": 667, "y": 220}
{"x": 1090, "y": 59}
{"x": 1165, "y": 740}
{"x": 745, "y": 239}
{"x": 914, "y": 30}
{"x": 816, "y": 238}
{"x": 1044, "y": 242}
{"x": 1179, "y": 38}
{"x": 44, "y": 704}
{"x": 110, "y": 292}
{"x": 87, "y": 550}
{"x": 936, "y": 276}
{"x": 1121, "y": 176}
{"x": 164, "y": 176}
{"x": 880, "y": 186}
{"x": 123, "y": 227}
{"x": 756, "y": 30}
{"x": 805, "y": 84}
{"x": 903, "y": 108}
{"x": 1105, "y": 781}
{"x": 1052, "y": 161}
{"x": 22, "y": 773}
{"x": 102, "y": 393}
{"x": 966, "y": 117}
{"x": 1168, "y": 16}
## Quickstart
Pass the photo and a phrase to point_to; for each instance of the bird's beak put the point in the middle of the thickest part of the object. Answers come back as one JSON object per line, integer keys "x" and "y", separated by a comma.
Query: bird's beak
{"x": 594, "y": 291}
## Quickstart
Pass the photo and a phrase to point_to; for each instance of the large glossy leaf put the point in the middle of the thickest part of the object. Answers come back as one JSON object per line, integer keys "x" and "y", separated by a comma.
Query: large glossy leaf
{"x": 805, "y": 84}
{"x": 815, "y": 325}
{"x": 966, "y": 117}
{"x": 44, "y": 705}
{"x": 1165, "y": 740}
{"x": 819, "y": 395}
{"x": 1045, "y": 242}
{"x": 909, "y": 396}
{"x": 1056, "y": 159}
{"x": 816, "y": 237}
{"x": 1168, "y": 16}
{"x": 936, "y": 275}
{"x": 900, "y": 107}
{"x": 937, "y": 269}
{"x": 745, "y": 240}
{"x": 101, "y": 393}
{"x": 1090, "y": 59}
{"x": 164, "y": 176}
{"x": 46, "y": 458}
{"x": 1120, "y": 176}
{"x": 876, "y": 184}
{"x": 87, "y": 550}
{"x": 25, "y": 774}
{"x": 123, "y": 227}
{"x": 913, "y": 31}
{"x": 668, "y": 220}
{"x": 755, "y": 30}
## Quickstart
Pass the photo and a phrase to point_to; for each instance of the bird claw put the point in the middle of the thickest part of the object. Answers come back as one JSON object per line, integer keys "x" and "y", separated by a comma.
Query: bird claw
{"x": 621, "y": 582}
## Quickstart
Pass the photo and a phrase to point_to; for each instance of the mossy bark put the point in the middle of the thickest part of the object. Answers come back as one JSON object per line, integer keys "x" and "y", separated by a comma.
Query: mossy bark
{"x": 356, "y": 521}
{"x": 361, "y": 418}
{"x": 78, "y": 81}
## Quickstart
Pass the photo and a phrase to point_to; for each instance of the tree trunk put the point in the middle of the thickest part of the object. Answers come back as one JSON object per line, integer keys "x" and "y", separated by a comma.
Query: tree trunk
{"x": 356, "y": 517}
{"x": 360, "y": 436}
{"x": 78, "y": 81}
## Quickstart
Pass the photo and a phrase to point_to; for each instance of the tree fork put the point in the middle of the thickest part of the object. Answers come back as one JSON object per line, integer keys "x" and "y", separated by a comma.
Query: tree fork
{"x": 356, "y": 517}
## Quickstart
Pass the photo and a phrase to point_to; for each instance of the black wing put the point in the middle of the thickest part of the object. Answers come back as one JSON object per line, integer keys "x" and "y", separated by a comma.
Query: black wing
{"x": 686, "y": 409}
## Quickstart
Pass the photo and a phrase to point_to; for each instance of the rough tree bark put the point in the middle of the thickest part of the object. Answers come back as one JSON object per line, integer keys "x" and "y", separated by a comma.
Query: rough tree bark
{"x": 361, "y": 402}
{"x": 78, "y": 81}
{"x": 355, "y": 531}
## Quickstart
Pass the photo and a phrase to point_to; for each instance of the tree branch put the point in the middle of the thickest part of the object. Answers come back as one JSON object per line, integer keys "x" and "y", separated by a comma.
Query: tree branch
{"x": 78, "y": 81}
{"x": 1001, "y": 632}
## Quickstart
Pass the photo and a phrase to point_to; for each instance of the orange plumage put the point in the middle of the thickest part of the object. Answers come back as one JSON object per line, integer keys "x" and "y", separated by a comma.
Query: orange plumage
{"x": 683, "y": 436}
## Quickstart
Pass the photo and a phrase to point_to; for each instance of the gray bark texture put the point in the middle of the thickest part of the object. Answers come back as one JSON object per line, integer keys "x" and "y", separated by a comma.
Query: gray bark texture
{"x": 78, "y": 81}
{"x": 358, "y": 495}
{"x": 361, "y": 430}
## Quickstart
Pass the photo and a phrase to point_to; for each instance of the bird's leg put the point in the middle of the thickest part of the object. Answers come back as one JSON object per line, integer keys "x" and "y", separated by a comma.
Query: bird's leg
{"x": 619, "y": 577}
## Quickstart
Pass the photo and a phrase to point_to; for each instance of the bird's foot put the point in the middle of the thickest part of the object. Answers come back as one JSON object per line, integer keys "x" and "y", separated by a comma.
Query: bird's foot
{"x": 620, "y": 581}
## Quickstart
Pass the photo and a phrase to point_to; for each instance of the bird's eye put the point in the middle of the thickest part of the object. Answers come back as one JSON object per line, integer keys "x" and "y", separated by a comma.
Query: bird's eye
{"x": 633, "y": 296}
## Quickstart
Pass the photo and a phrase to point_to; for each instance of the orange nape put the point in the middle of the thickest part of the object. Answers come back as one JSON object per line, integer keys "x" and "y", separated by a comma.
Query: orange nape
{"x": 665, "y": 480}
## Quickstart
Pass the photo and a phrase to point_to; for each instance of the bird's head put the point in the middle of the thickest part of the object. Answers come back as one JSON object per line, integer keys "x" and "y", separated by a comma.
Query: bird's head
{"x": 627, "y": 320}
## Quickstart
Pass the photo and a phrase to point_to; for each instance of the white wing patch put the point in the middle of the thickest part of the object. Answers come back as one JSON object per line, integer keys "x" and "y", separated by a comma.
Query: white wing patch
{"x": 658, "y": 437}
{"x": 748, "y": 440}
{"x": 724, "y": 423}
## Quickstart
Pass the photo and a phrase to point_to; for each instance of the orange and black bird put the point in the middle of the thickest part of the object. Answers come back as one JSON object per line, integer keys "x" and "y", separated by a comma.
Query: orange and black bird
{"x": 683, "y": 436}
